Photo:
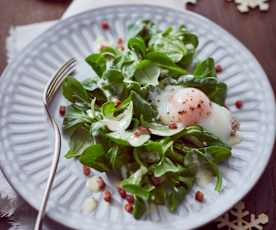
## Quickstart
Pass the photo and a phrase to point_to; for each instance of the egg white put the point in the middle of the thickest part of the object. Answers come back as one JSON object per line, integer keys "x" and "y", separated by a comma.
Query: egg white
{"x": 219, "y": 122}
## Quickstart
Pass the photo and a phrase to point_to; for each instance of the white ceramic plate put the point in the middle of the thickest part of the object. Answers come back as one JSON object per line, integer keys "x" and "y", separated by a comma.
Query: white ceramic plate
{"x": 25, "y": 135}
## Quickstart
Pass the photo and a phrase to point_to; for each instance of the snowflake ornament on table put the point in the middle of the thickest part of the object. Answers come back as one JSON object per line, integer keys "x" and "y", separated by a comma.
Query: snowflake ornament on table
{"x": 9, "y": 200}
{"x": 235, "y": 219}
{"x": 189, "y": 1}
{"x": 185, "y": 2}
{"x": 245, "y": 5}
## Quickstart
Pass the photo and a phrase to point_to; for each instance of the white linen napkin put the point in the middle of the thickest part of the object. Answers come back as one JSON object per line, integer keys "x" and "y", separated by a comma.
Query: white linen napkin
{"x": 20, "y": 36}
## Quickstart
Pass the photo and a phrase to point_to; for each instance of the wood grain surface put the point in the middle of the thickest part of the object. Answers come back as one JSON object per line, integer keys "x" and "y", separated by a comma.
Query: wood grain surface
{"x": 256, "y": 30}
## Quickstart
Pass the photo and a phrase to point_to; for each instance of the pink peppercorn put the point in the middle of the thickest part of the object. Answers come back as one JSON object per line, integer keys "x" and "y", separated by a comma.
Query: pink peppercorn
{"x": 130, "y": 199}
{"x": 86, "y": 170}
{"x": 156, "y": 181}
{"x": 129, "y": 207}
{"x": 62, "y": 110}
{"x": 107, "y": 196}
{"x": 101, "y": 184}
{"x": 218, "y": 68}
{"x": 120, "y": 43}
{"x": 122, "y": 193}
{"x": 173, "y": 125}
{"x": 105, "y": 25}
{"x": 117, "y": 102}
{"x": 199, "y": 196}
{"x": 104, "y": 45}
{"x": 140, "y": 131}
{"x": 239, "y": 104}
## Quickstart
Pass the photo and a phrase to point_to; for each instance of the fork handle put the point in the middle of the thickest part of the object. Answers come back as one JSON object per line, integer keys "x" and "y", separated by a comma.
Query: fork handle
{"x": 57, "y": 136}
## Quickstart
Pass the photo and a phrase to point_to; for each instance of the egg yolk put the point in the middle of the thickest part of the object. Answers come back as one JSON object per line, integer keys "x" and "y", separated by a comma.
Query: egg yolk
{"x": 188, "y": 106}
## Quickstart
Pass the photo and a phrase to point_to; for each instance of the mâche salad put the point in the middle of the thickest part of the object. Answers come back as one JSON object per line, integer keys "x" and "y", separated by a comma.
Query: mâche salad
{"x": 151, "y": 115}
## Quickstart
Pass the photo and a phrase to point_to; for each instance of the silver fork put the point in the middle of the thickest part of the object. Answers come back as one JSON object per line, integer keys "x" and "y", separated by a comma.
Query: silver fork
{"x": 48, "y": 96}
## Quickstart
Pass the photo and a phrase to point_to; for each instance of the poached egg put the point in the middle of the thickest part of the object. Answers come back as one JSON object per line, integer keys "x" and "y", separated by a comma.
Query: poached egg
{"x": 187, "y": 106}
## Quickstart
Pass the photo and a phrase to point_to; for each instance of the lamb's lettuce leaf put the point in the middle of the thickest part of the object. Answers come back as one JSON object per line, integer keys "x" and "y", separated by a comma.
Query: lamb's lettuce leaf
{"x": 138, "y": 45}
{"x": 114, "y": 83}
{"x": 165, "y": 166}
{"x": 139, "y": 208}
{"x": 163, "y": 61}
{"x": 79, "y": 140}
{"x": 136, "y": 177}
{"x": 160, "y": 129}
{"x": 75, "y": 116}
{"x": 147, "y": 73}
{"x": 97, "y": 62}
{"x": 144, "y": 29}
{"x": 120, "y": 122}
{"x": 133, "y": 184}
{"x": 211, "y": 86}
{"x": 128, "y": 138}
{"x": 142, "y": 107}
{"x": 73, "y": 90}
{"x": 94, "y": 157}
{"x": 175, "y": 197}
{"x": 205, "y": 69}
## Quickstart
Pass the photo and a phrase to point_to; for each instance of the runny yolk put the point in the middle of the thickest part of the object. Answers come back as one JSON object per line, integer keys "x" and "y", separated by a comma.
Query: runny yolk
{"x": 188, "y": 106}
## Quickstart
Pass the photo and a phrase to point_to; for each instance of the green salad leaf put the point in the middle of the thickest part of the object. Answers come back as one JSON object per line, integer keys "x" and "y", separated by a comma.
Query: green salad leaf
{"x": 138, "y": 190}
{"x": 205, "y": 68}
{"x": 161, "y": 130}
{"x": 165, "y": 166}
{"x": 147, "y": 73}
{"x": 120, "y": 122}
{"x": 211, "y": 86}
{"x": 138, "y": 45}
{"x": 199, "y": 137}
{"x": 108, "y": 109}
{"x": 136, "y": 177}
{"x": 139, "y": 208}
{"x": 128, "y": 138}
{"x": 97, "y": 63}
{"x": 163, "y": 61}
{"x": 145, "y": 29}
{"x": 133, "y": 184}
{"x": 114, "y": 83}
{"x": 118, "y": 156}
{"x": 75, "y": 116}
{"x": 90, "y": 84}
{"x": 79, "y": 140}
{"x": 94, "y": 157}
{"x": 179, "y": 46}
{"x": 161, "y": 146}
{"x": 176, "y": 196}
{"x": 73, "y": 90}
{"x": 159, "y": 195}
{"x": 169, "y": 43}
{"x": 142, "y": 107}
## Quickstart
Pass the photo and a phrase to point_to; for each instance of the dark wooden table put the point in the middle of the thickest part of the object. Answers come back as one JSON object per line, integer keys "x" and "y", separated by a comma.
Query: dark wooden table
{"x": 256, "y": 30}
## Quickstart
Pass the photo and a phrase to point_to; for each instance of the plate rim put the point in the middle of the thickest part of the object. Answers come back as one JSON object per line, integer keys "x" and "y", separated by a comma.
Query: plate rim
{"x": 235, "y": 198}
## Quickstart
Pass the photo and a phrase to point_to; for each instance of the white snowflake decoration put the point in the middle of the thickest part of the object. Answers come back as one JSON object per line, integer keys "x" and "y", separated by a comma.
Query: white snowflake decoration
{"x": 235, "y": 219}
{"x": 245, "y": 5}
{"x": 9, "y": 200}
{"x": 185, "y": 2}
{"x": 7, "y": 206}
{"x": 189, "y": 1}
